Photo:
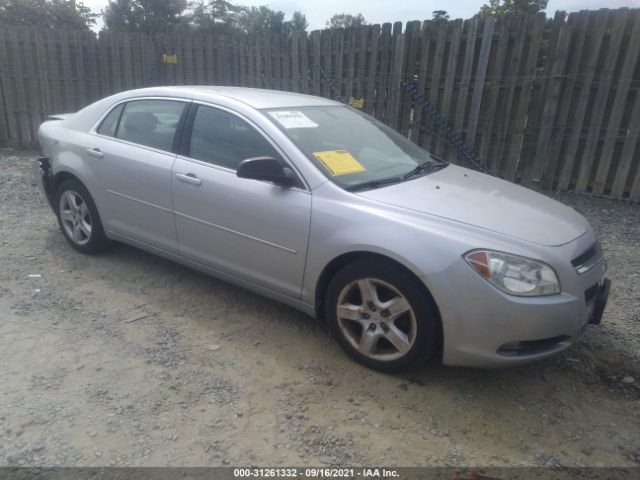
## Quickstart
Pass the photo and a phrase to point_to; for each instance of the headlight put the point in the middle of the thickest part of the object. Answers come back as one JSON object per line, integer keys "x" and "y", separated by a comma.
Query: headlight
{"x": 514, "y": 274}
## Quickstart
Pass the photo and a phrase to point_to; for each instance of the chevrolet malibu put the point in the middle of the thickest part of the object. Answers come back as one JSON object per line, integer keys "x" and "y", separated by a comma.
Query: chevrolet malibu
{"x": 322, "y": 207}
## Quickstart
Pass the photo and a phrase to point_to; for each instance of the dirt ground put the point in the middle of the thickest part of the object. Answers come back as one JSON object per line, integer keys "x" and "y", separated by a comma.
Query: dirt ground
{"x": 128, "y": 359}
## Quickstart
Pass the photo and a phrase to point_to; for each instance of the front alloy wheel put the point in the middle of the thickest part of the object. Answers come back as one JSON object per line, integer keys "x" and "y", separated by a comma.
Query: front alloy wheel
{"x": 376, "y": 319}
{"x": 382, "y": 315}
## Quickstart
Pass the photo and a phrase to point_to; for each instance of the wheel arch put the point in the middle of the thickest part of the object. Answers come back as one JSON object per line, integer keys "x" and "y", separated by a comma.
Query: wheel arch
{"x": 51, "y": 182}
{"x": 52, "y": 186}
{"x": 340, "y": 261}
{"x": 344, "y": 259}
{"x": 61, "y": 176}
{"x": 97, "y": 241}
{"x": 67, "y": 174}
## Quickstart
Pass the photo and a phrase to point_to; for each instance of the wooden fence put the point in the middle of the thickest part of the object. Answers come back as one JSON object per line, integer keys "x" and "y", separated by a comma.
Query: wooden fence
{"x": 551, "y": 103}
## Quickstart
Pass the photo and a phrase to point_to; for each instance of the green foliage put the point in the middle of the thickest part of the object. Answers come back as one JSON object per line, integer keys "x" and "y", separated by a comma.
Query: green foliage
{"x": 440, "y": 15}
{"x": 261, "y": 20}
{"x": 220, "y": 16}
{"x": 265, "y": 20}
{"x": 297, "y": 24}
{"x": 148, "y": 16}
{"x": 66, "y": 14}
{"x": 346, "y": 20}
{"x": 498, "y": 8}
{"x": 217, "y": 15}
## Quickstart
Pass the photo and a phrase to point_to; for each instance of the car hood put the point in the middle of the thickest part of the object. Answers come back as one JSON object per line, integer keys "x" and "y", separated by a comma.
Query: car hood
{"x": 486, "y": 202}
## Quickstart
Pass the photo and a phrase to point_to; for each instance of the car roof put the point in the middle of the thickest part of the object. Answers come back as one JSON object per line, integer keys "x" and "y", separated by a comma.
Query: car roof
{"x": 255, "y": 97}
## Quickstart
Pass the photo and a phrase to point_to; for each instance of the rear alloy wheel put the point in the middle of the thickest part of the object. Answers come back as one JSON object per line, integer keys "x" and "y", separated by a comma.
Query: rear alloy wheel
{"x": 78, "y": 218}
{"x": 381, "y": 316}
{"x": 75, "y": 218}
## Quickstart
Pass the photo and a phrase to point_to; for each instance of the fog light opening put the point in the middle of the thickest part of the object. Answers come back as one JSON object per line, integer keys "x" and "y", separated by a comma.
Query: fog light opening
{"x": 531, "y": 347}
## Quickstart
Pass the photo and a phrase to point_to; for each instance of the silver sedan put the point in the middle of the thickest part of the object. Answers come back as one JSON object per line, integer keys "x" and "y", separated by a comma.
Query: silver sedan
{"x": 324, "y": 208}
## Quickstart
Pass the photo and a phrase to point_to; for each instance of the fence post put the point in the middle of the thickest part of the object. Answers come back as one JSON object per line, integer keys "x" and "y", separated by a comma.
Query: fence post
{"x": 397, "y": 68}
{"x": 552, "y": 98}
{"x": 478, "y": 85}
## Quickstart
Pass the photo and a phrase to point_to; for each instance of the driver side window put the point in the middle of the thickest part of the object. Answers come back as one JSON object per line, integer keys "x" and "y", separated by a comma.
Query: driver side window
{"x": 222, "y": 139}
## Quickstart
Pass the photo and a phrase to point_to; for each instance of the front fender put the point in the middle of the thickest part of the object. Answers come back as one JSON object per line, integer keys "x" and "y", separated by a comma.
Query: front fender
{"x": 339, "y": 228}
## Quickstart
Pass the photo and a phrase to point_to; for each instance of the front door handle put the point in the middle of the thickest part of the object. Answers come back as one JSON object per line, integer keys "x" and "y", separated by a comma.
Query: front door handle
{"x": 189, "y": 178}
{"x": 95, "y": 152}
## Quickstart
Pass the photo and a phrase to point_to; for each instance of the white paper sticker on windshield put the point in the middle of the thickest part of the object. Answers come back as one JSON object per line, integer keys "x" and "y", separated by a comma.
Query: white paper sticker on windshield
{"x": 293, "y": 119}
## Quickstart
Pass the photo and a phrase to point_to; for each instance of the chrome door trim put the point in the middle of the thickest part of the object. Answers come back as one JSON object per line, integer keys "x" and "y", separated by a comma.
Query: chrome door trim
{"x": 132, "y": 99}
{"x": 94, "y": 129}
{"x": 118, "y": 194}
{"x": 235, "y": 232}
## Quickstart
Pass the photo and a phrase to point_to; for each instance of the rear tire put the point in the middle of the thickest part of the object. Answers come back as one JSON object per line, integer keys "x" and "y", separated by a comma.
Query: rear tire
{"x": 78, "y": 218}
{"x": 392, "y": 326}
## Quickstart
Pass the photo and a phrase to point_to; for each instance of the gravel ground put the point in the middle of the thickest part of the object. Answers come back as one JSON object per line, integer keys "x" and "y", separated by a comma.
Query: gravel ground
{"x": 128, "y": 359}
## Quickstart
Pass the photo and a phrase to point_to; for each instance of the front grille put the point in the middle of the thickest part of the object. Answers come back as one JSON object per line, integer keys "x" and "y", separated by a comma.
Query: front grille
{"x": 587, "y": 260}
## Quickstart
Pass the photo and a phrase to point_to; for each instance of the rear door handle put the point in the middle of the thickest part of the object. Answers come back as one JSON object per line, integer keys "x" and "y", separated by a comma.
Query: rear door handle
{"x": 189, "y": 178}
{"x": 95, "y": 152}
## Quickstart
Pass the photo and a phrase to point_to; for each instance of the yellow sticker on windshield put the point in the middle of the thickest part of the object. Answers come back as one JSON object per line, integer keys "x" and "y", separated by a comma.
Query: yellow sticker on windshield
{"x": 339, "y": 162}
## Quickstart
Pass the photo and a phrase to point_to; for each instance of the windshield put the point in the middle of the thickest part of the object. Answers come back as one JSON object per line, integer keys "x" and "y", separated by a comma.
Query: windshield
{"x": 353, "y": 149}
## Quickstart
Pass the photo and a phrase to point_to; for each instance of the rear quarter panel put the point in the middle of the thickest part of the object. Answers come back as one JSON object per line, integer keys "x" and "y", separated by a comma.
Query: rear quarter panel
{"x": 64, "y": 147}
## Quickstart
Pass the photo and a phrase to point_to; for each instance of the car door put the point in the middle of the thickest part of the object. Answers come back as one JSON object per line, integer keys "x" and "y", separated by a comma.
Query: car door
{"x": 130, "y": 161}
{"x": 254, "y": 230}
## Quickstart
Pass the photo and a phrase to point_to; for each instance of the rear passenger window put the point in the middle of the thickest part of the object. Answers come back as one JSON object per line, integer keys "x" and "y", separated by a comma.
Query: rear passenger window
{"x": 152, "y": 123}
{"x": 110, "y": 122}
{"x": 223, "y": 139}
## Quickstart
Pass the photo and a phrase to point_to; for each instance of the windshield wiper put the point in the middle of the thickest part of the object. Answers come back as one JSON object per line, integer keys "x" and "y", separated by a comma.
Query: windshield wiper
{"x": 421, "y": 169}
{"x": 374, "y": 184}
{"x": 424, "y": 168}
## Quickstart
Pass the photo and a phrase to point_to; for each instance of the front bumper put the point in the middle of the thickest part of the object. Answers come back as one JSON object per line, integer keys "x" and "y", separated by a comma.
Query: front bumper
{"x": 552, "y": 345}
{"x": 492, "y": 329}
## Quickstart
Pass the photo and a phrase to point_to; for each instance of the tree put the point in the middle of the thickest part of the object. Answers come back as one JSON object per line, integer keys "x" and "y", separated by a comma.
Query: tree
{"x": 148, "y": 16}
{"x": 346, "y": 20}
{"x": 66, "y": 14}
{"x": 297, "y": 24}
{"x": 219, "y": 15}
{"x": 261, "y": 20}
{"x": 498, "y": 8}
{"x": 440, "y": 15}
{"x": 224, "y": 16}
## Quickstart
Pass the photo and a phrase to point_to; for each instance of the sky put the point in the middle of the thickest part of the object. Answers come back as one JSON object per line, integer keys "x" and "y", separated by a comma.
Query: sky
{"x": 380, "y": 11}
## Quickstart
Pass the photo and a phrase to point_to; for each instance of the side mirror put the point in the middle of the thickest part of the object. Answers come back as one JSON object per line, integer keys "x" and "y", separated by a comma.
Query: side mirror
{"x": 266, "y": 168}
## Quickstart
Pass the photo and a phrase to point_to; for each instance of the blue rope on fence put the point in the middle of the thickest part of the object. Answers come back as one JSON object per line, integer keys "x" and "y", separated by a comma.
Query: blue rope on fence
{"x": 332, "y": 87}
{"x": 443, "y": 128}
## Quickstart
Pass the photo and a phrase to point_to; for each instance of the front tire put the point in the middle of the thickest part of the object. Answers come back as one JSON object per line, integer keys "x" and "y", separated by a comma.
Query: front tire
{"x": 78, "y": 218}
{"x": 381, "y": 316}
